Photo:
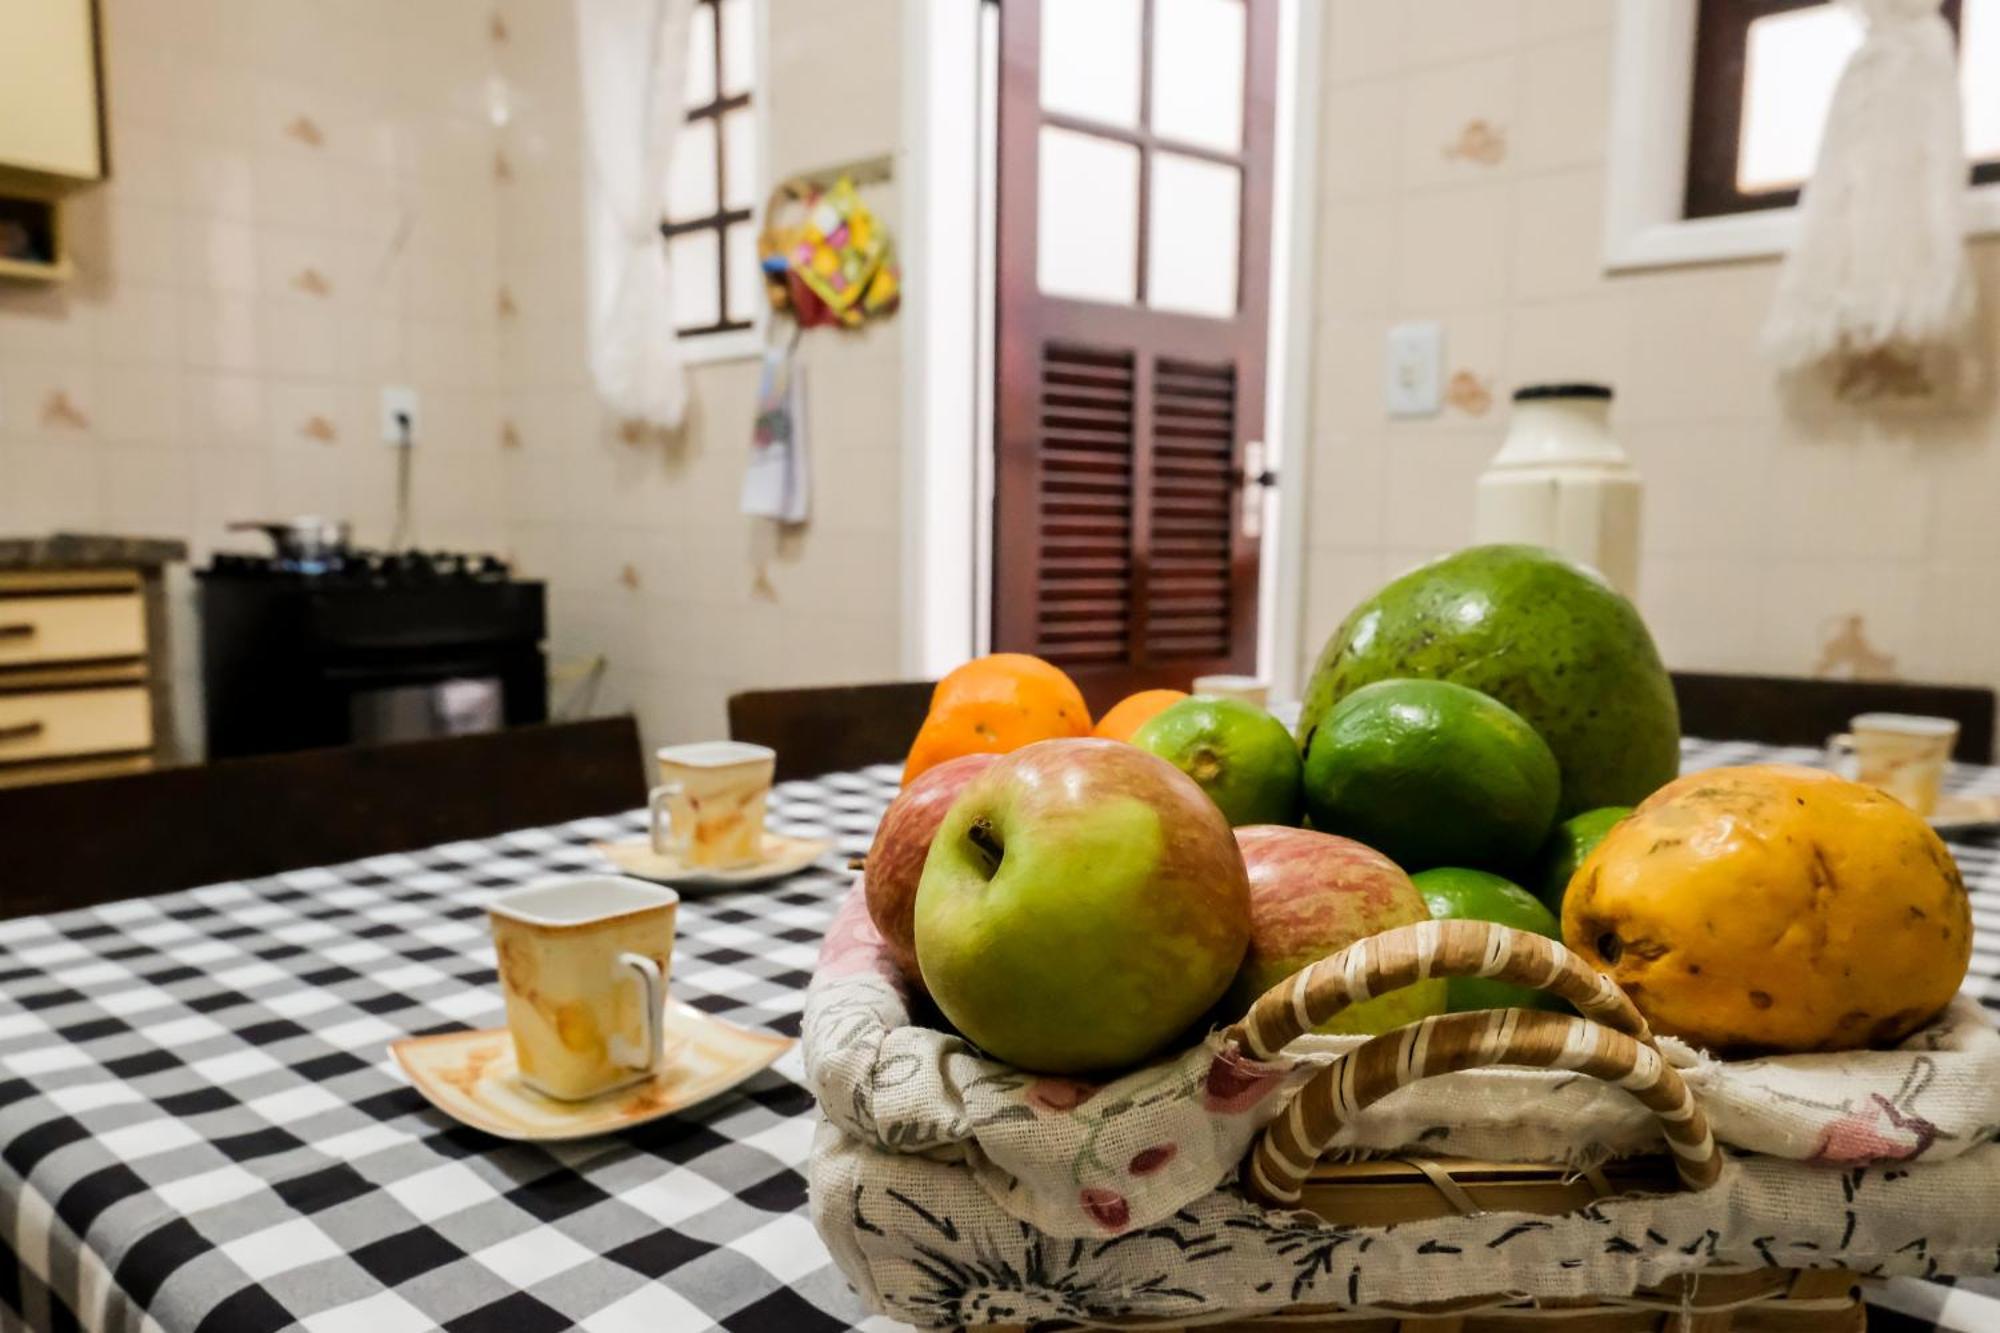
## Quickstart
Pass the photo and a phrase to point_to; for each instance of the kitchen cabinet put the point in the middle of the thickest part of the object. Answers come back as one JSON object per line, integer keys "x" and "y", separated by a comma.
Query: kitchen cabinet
{"x": 52, "y": 135}
{"x": 84, "y": 675}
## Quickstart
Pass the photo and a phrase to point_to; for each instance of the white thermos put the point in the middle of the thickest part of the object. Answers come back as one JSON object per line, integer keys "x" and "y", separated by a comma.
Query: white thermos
{"x": 1561, "y": 481}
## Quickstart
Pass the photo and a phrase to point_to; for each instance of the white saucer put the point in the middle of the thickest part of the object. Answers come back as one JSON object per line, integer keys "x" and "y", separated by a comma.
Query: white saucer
{"x": 782, "y": 855}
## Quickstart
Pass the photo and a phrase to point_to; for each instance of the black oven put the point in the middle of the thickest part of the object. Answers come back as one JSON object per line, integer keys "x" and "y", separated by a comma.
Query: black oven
{"x": 366, "y": 648}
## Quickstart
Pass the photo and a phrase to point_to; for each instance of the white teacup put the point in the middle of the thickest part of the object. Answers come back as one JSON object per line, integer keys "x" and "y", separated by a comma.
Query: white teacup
{"x": 1250, "y": 689}
{"x": 713, "y": 794}
{"x": 584, "y": 961}
{"x": 1902, "y": 753}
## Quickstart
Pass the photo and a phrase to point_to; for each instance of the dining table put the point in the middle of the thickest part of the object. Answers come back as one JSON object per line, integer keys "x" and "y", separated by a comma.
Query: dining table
{"x": 201, "y": 1130}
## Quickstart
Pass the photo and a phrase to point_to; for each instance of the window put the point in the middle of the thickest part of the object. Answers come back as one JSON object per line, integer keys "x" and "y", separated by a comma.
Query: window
{"x": 1764, "y": 73}
{"x": 1141, "y": 153}
{"x": 1716, "y": 112}
{"x": 711, "y": 190}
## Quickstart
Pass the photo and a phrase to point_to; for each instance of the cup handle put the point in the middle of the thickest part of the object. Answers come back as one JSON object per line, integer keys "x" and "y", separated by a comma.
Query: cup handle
{"x": 1840, "y": 755}
{"x": 656, "y": 801}
{"x": 654, "y": 1003}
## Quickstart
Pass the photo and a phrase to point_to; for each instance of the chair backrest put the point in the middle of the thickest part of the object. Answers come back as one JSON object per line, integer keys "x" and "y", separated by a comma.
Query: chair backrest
{"x": 1784, "y": 710}
{"x": 74, "y": 844}
{"x": 833, "y": 727}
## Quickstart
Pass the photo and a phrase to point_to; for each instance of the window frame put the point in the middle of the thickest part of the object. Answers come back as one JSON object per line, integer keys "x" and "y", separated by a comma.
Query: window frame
{"x": 1647, "y": 150}
{"x": 1722, "y": 29}
{"x": 728, "y": 339}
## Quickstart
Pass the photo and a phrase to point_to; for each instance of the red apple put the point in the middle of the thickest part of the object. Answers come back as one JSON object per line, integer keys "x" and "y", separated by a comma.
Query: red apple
{"x": 902, "y": 840}
{"x": 1082, "y": 905}
{"x": 1313, "y": 894}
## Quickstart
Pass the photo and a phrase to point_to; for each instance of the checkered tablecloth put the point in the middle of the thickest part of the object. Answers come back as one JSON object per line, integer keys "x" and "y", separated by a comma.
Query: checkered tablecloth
{"x": 198, "y": 1129}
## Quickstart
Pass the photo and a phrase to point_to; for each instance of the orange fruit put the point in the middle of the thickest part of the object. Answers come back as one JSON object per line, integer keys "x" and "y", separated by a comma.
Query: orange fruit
{"x": 1134, "y": 711}
{"x": 995, "y": 704}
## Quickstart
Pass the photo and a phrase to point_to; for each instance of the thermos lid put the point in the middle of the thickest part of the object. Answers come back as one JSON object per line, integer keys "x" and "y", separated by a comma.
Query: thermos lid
{"x": 1529, "y": 392}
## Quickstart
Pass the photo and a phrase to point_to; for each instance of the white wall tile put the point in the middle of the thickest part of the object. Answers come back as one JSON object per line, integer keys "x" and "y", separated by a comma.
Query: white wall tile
{"x": 1454, "y": 245}
{"x": 1565, "y": 101}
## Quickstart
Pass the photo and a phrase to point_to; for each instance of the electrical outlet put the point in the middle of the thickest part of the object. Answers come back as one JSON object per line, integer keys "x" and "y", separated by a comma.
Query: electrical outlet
{"x": 1414, "y": 383}
{"x": 399, "y": 404}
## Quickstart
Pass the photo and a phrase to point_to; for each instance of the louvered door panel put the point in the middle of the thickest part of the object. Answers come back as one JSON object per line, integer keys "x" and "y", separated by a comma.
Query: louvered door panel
{"x": 1083, "y": 579}
{"x": 1192, "y": 507}
{"x": 1130, "y": 367}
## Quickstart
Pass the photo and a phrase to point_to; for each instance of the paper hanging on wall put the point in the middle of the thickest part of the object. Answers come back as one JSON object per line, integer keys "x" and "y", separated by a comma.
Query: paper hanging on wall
{"x": 777, "y": 483}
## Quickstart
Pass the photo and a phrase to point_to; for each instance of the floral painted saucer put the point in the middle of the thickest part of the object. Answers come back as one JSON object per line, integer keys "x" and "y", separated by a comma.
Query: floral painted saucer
{"x": 1962, "y": 814}
{"x": 472, "y": 1077}
{"x": 780, "y": 856}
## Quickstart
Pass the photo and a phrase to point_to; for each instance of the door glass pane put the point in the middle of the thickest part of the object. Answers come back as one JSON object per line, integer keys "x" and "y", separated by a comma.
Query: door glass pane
{"x": 701, "y": 56}
{"x": 691, "y": 183}
{"x": 746, "y": 280}
{"x": 739, "y": 48}
{"x": 1090, "y": 60}
{"x": 739, "y": 158}
{"x": 1198, "y": 50}
{"x": 1791, "y": 62}
{"x": 1979, "y": 77}
{"x": 694, "y": 259}
{"x": 1192, "y": 242}
{"x": 1087, "y": 224}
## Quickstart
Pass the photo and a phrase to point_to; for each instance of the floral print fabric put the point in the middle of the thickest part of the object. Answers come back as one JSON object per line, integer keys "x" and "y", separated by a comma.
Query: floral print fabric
{"x": 1084, "y": 1160}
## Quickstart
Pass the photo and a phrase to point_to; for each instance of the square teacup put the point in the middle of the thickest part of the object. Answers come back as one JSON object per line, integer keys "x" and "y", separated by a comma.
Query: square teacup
{"x": 713, "y": 793}
{"x": 1902, "y": 753}
{"x": 584, "y": 962}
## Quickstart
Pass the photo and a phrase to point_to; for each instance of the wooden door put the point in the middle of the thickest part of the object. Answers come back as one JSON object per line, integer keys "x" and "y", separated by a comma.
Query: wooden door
{"x": 1133, "y": 274}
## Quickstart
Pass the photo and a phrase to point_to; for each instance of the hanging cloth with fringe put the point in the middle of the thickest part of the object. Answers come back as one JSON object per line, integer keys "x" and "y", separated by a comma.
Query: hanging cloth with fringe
{"x": 1877, "y": 289}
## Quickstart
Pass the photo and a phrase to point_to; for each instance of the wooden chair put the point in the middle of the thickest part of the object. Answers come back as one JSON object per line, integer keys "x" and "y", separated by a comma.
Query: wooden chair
{"x": 1783, "y": 710}
{"x": 834, "y": 727}
{"x": 73, "y": 844}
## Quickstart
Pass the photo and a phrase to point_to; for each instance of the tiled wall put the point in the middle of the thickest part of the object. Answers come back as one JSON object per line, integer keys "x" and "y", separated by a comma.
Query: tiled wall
{"x": 300, "y": 211}
{"x": 1462, "y": 175}
{"x": 310, "y": 200}
{"x": 649, "y": 562}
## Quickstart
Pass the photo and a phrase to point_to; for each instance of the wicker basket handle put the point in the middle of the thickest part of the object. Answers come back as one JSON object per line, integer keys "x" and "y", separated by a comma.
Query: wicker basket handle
{"x": 1397, "y": 958}
{"x": 1286, "y": 1152}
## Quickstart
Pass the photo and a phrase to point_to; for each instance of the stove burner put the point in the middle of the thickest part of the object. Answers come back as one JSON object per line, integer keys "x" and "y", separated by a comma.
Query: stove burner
{"x": 355, "y": 565}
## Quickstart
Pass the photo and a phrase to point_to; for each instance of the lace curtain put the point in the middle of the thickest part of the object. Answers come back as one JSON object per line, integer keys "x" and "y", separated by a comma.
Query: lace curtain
{"x": 633, "y": 55}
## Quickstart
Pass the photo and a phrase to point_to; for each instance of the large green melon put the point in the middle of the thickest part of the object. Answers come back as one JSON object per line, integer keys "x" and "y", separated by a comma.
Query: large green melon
{"x": 1547, "y": 637}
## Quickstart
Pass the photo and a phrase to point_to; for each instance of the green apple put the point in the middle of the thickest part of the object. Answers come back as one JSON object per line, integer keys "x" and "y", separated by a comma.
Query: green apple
{"x": 1083, "y": 903}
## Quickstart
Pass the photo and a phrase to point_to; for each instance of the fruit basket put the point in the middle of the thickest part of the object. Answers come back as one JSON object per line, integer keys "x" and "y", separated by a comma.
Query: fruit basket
{"x": 1611, "y": 1043}
{"x": 954, "y": 1191}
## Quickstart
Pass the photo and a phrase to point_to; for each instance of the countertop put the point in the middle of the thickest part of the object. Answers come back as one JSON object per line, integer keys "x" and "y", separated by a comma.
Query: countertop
{"x": 79, "y": 550}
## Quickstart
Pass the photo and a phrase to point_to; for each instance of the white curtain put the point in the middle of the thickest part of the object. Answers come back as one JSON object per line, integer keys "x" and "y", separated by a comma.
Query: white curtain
{"x": 1880, "y": 264}
{"x": 633, "y": 55}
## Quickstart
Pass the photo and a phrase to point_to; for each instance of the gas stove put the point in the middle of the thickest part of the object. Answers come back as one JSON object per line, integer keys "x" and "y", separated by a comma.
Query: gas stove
{"x": 328, "y": 644}
{"x": 357, "y": 565}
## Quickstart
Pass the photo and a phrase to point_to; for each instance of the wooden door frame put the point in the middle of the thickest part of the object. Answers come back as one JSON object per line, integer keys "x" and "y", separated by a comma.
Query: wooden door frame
{"x": 942, "y": 342}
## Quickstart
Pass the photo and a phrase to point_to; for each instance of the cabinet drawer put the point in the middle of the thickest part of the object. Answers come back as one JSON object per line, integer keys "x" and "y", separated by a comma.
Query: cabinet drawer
{"x": 71, "y": 629}
{"x": 55, "y": 724}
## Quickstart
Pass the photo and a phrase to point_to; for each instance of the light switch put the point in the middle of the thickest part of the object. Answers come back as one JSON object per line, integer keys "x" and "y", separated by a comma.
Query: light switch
{"x": 1414, "y": 369}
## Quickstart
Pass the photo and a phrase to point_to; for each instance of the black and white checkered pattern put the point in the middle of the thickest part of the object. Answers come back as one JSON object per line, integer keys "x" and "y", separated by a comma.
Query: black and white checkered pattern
{"x": 198, "y": 1130}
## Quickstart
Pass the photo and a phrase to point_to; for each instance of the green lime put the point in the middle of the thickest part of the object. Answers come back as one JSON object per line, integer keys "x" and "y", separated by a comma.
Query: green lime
{"x": 1568, "y": 844}
{"x": 1431, "y": 774}
{"x": 1242, "y": 756}
{"x": 1455, "y": 894}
